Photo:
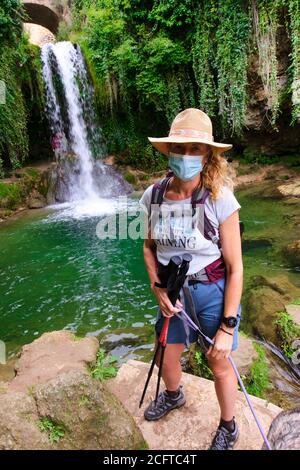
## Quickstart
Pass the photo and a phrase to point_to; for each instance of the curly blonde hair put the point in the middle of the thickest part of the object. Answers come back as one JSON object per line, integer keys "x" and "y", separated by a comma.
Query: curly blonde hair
{"x": 217, "y": 172}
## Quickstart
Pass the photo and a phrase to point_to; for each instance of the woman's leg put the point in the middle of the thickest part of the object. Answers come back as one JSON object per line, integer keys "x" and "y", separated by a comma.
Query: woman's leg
{"x": 171, "y": 370}
{"x": 225, "y": 385}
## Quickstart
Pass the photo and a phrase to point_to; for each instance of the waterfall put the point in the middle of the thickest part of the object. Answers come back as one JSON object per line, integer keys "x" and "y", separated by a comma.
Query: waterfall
{"x": 73, "y": 124}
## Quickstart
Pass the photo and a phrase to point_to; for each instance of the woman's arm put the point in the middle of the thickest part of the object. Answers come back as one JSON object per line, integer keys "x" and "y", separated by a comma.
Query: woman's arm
{"x": 232, "y": 253}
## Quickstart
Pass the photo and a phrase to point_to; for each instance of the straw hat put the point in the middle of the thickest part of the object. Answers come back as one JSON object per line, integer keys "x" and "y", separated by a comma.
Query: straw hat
{"x": 191, "y": 125}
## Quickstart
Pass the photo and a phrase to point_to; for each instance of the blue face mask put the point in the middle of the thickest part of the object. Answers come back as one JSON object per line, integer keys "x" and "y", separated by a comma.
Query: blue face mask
{"x": 185, "y": 167}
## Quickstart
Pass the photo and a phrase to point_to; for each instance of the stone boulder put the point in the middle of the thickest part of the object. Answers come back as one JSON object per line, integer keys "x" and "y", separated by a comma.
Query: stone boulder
{"x": 36, "y": 200}
{"x": 52, "y": 354}
{"x": 294, "y": 311}
{"x": 263, "y": 305}
{"x": 54, "y": 403}
{"x": 189, "y": 427}
{"x": 290, "y": 189}
{"x": 264, "y": 299}
{"x": 292, "y": 252}
{"x": 245, "y": 354}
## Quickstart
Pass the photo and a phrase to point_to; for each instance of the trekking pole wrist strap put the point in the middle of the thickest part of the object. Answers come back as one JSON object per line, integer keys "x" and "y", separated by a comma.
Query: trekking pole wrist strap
{"x": 231, "y": 334}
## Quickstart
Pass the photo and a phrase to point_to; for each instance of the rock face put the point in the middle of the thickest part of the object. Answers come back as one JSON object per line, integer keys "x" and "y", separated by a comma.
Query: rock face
{"x": 266, "y": 297}
{"x": 292, "y": 253}
{"x": 245, "y": 355}
{"x": 290, "y": 189}
{"x": 189, "y": 427}
{"x": 294, "y": 311}
{"x": 53, "y": 386}
{"x": 50, "y": 355}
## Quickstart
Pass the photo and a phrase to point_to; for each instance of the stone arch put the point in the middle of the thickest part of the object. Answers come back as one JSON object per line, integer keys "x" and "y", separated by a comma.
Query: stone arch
{"x": 42, "y": 14}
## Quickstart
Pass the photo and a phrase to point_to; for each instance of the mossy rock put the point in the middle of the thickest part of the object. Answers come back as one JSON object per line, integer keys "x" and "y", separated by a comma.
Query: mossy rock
{"x": 292, "y": 253}
{"x": 130, "y": 177}
{"x": 279, "y": 283}
{"x": 262, "y": 306}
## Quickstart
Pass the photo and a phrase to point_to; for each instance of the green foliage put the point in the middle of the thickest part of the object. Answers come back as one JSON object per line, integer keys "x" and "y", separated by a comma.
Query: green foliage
{"x": 252, "y": 156}
{"x": 11, "y": 16}
{"x": 130, "y": 177}
{"x": 157, "y": 58}
{"x": 202, "y": 367}
{"x": 287, "y": 331}
{"x": 257, "y": 383}
{"x": 10, "y": 195}
{"x": 294, "y": 67}
{"x": 21, "y": 73}
{"x": 55, "y": 431}
{"x": 103, "y": 368}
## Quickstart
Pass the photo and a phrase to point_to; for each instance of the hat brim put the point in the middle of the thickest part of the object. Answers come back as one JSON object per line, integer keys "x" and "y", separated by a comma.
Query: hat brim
{"x": 161, "y": 143}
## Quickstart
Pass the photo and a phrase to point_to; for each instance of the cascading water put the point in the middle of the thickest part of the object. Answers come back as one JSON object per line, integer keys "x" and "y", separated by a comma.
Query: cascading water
{"x": 82, "y": 177}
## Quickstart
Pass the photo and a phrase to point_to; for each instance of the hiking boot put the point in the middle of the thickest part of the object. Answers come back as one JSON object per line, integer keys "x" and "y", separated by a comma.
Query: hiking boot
{"x": 164, "y": 404}
{"x": 224, "y": 439}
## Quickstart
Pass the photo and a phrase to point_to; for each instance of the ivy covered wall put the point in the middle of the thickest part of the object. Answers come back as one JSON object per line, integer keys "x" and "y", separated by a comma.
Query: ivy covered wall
{"x": 22, "y": 121}
{"x": 152, "y": 58}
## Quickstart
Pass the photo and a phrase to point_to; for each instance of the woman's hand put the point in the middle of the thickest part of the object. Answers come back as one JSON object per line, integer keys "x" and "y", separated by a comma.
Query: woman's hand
{"x": 164, "y": 302}
{"x": 222, "y": 347}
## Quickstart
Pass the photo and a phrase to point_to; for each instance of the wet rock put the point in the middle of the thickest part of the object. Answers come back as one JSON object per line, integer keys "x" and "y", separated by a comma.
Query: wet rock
{"x": 264, "y": 299}
{"x": 262, "y": 307}
{"x": 294, "y": 312}
{"x": 52, "y": 353}
{"x": 191, "y": 426}
{"x": 129, "y": 343}
{"x": 53, "y": 384}
{"x": 279, "y": 283}
{"x": 36, "y": 201}
{"x": 92, "y": 416}
{"x": 292, "y": 253}
{"x": 290, "y": 189}
{"x": 19, "y": 423}
{"x": 259, "y": 243}
{"x": 245, "y": 355}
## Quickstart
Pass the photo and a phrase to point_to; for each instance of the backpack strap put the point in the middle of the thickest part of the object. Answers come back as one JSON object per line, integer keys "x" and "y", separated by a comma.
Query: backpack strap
{"x": 158, "y": 190}
{"x": 199, "y": 197}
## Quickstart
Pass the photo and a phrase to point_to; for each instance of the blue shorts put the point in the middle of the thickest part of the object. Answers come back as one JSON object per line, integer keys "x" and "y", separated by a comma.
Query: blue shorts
{"x": 209, "y": 304}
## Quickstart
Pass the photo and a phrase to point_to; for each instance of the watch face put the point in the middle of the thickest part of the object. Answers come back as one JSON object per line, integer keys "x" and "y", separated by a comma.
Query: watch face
{"x": 231, "y": 322}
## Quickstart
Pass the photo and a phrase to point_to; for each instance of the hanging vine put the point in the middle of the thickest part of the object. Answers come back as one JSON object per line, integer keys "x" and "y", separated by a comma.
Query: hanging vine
{"x": 294, "y": 69}
{"x": 204, "y": 55}
{"x": 232, "y": 36}
{"x": 265, "y": 26}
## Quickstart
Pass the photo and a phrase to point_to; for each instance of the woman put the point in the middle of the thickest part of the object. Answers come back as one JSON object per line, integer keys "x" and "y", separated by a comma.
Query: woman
{"x": 196, "y": 161}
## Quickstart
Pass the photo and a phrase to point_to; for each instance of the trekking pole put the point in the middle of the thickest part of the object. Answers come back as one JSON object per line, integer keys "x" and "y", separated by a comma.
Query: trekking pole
{"x": 175, "y": 283}
{"x": 174, "y": 279}
{"x": 190, "y": 322}
{"x": 164, "y": 277}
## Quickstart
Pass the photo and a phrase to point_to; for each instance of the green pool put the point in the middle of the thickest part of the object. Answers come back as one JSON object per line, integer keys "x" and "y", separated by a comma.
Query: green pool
{"x": 55, "y": 273}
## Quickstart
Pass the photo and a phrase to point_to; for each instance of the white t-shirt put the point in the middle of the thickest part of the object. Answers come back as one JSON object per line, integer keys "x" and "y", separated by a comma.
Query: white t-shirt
{"x": 175, "y": 234}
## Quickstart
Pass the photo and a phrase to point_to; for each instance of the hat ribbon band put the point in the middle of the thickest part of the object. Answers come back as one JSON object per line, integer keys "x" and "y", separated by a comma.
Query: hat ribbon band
{"x": 192, "y": 133}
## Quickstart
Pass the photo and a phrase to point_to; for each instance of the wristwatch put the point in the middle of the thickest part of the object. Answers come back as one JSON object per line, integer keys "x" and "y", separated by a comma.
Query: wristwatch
{"x": 231, "y": 322}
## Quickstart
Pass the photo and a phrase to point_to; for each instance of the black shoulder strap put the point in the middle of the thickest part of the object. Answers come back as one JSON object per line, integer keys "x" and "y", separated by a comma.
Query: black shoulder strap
{"x": 158, "y": 190}
{"x": 199, "y": 197}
